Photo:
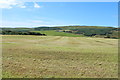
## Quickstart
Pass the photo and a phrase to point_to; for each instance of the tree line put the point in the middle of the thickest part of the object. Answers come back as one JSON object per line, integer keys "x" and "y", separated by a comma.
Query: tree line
{"x": 9, "y": 32}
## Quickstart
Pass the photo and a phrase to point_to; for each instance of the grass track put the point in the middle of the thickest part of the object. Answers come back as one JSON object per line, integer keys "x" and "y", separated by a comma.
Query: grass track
{"x": 59, "y": 56}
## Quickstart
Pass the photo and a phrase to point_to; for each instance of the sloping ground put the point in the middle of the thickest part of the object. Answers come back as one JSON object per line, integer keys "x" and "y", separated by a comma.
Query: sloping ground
{"x": 59, "y": 57}
{"x": 55, "y": 33}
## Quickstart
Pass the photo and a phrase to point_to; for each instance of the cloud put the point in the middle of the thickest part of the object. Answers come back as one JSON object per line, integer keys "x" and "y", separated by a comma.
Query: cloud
{"x": 17, "y": 24}
{"x": 36, "y": 5}
{"x": 31, "y": 23}
{"x": 10, "y": 3}
{"x": 15, "y": 3}
{"x": 23, "y": 6}
{"x": 37, "y": 21}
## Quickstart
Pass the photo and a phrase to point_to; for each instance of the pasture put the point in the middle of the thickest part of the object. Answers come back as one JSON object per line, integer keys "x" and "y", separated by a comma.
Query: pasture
{"x": 55, "y": 33}
{"x": 59, "y": 57}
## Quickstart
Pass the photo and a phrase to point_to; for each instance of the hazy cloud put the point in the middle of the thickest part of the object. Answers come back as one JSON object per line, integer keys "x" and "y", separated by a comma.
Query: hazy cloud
{"x": 8, "y": 4}
{"x": 37, "y": 21}
{"x": 36, "y": 5}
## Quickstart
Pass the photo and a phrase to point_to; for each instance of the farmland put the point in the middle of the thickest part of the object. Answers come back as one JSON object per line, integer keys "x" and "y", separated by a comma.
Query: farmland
{"x": 29, "y": 56}
{"x": 54, "y": 33}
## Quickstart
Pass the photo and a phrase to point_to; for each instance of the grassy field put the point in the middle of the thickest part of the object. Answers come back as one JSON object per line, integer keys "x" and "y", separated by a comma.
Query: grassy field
{"x": 55, "y": 33}
{"x": 59, "y": 57}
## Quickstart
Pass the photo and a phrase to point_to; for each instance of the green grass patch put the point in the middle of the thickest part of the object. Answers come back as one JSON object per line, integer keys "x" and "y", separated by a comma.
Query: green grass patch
{"x": 55, "y": 33}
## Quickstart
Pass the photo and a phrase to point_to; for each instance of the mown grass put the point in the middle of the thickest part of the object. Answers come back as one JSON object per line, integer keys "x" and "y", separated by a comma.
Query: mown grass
{"x": 59, "y": 57}
{"x": 55, "y": 33}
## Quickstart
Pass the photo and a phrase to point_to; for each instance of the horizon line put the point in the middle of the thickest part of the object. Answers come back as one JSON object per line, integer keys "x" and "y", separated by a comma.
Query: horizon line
{"x": 54, "y": 26}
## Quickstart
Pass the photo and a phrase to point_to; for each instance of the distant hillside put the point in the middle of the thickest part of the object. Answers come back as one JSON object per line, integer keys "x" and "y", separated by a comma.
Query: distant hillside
{"x": 90, "y": 31}
{"x": 55, "y": 33}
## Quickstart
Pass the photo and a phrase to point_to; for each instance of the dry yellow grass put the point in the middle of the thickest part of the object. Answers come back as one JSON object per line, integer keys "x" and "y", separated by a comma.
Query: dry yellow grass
{"x": 59, "y": 57}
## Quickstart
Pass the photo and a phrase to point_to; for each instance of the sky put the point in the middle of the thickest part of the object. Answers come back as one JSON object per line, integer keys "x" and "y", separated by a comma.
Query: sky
{"x": 35, "y": 14}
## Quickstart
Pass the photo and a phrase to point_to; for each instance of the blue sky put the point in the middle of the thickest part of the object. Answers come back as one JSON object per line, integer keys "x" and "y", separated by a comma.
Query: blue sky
{"x": 61, "y": 13}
